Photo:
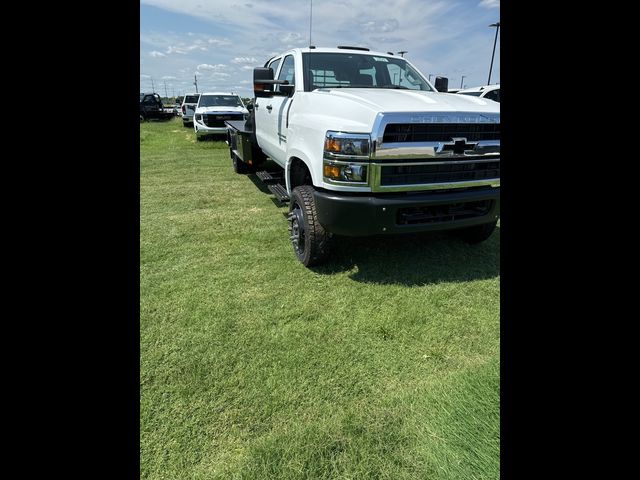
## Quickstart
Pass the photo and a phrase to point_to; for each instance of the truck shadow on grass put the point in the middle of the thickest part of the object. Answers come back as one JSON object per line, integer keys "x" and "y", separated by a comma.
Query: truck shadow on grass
{"x": 414, "y": 259}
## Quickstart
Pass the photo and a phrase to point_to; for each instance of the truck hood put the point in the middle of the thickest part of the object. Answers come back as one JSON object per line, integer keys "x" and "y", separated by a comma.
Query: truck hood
{"x": 387, "y": 100}
{"x": 221, "y": 110}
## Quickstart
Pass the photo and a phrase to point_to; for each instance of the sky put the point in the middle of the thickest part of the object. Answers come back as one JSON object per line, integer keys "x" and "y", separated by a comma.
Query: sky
{"x": 220, "y": 41}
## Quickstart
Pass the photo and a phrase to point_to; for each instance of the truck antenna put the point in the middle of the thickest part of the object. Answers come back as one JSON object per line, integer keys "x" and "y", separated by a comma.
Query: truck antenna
{"x": 310, "y": 18}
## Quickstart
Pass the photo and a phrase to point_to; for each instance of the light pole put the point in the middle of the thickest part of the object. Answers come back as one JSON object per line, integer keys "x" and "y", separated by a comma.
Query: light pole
{"x": 462, "y": 80}
{"x": 430, "y": 75}
{"x": 497, "y": 25}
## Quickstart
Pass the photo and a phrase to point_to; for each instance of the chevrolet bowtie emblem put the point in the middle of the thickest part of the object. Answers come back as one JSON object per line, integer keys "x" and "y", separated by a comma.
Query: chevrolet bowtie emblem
{"x": 459, "y": 146}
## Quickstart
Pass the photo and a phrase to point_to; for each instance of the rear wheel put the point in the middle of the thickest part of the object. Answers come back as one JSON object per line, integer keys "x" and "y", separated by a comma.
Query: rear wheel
{"x": 477, "y": 233}
{"x": 309, "y": 238}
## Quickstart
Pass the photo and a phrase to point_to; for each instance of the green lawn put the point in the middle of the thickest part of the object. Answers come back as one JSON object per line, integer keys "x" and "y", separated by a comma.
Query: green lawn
{"x": 383, "y": 364}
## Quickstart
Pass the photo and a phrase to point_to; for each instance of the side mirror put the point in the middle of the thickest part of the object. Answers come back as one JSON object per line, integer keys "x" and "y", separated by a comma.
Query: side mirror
{"x": 442, "y": 84}
{"x": 262, "y": 82}
{"x": 249, "y": 106}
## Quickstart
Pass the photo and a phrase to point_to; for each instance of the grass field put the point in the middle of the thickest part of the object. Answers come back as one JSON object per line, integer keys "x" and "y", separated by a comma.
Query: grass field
{"x": 383, "y": 364}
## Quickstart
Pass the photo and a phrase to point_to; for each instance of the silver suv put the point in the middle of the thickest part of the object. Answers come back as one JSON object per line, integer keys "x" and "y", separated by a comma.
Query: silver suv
{"x": 189, "y": 105}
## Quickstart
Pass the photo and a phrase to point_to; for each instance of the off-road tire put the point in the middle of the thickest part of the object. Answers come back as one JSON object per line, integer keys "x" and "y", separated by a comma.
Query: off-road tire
{"x": 477, "y": 233}
{"x": 313, "y": 248}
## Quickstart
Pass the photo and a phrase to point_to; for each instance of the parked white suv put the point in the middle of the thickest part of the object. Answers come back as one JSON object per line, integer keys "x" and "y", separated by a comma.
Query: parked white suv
{"x": 214, "y": 109}
{"x": 189, "y": 107}
{"x": 490, "y": 92}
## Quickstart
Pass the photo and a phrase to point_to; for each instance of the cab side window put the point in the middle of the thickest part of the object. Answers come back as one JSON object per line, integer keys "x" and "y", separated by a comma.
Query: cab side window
{"x": 493, "y": 95}
{"x": 287, "y": 72}
{"x": 274, "y": 65}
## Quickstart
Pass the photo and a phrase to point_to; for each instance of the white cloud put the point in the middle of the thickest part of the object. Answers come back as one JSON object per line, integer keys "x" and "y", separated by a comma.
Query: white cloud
{"x": 156, "y": 53}
{"x": 219, "y": 42}
{"x": 179, "y": 50}
{"x": 490, "y": 3}
{"x": 290, "y": 37}
{"x": 244, "y": 60}
{"x": 206, "y": 66}
{"x": 380, "y": 26}
{"x": 142, "y": 75}
{"x": 247, "y": 67}
{"x": 169, "y": 77}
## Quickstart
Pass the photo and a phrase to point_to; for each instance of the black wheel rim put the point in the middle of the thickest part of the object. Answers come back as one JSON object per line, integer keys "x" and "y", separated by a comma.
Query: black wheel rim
{"x": 297, "y": 229}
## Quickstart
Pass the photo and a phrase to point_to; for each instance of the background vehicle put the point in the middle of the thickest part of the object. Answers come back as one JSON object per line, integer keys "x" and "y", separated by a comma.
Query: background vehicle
{"x": 214, "y": 109}
{"x": 151, "y": 108}
{"x": 189, "y": 107}
{"x": 492, "y": 92}
{"x": 365, "y": 145}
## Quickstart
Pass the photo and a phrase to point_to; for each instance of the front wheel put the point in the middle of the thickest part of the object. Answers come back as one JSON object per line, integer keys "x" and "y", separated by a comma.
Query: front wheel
{"x": 477, "y": 233}
{"x": 309, "y": 238}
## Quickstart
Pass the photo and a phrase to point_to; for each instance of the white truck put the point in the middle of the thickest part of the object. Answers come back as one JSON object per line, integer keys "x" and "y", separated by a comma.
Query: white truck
{"x": 366, "y": 145}
{"x": 213, "y": 110}
{"x": 189, "y": 104}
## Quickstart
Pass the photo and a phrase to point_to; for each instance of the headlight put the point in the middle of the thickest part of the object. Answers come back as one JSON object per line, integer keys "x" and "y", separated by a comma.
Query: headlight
{"x": 345, "y": 172}
{"x": 340, "y": 144}
{"x": 199, "y": 118}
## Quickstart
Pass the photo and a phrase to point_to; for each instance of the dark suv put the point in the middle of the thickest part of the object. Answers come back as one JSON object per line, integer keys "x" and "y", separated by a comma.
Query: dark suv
{"x": 151, "y": 107}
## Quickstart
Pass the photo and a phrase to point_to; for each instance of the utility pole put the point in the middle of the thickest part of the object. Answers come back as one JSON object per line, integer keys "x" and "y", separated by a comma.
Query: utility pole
{"x": 165, "y": 90}
{"x": 195, "y": 77}
{"x": 153, "y": 87}
{"x": 497, "y": 25}
{"x": 462, "y": 80}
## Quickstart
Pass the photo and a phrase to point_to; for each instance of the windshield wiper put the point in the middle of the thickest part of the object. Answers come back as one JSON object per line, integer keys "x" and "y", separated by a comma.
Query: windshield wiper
{"x": 395, "y": 87}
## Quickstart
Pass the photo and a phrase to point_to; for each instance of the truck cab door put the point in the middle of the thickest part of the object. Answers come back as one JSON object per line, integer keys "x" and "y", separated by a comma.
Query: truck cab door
{"x": 264, "y": 118}
{"x": 280, "y": 110}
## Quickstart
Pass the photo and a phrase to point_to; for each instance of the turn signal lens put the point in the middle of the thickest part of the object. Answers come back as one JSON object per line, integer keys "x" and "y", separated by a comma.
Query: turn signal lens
{"x": 332, "y": 171}
{"x": 332, "y": 145}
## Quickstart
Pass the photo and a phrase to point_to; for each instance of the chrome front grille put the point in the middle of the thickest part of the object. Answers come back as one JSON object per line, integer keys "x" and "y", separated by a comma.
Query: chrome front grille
{"x": 432, "y": 151}
{"x": 217, "y": 120}
{"x": 440, "y": 132}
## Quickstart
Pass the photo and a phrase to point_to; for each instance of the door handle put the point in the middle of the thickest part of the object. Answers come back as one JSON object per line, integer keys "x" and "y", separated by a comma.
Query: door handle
{"x": 269, "y": 107}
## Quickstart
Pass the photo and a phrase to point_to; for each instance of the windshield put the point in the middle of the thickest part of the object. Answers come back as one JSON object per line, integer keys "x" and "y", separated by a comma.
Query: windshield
{"x": 355, "y": 70}
{"x": 191, "y": 99}
{"x": 220, "y": 101}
